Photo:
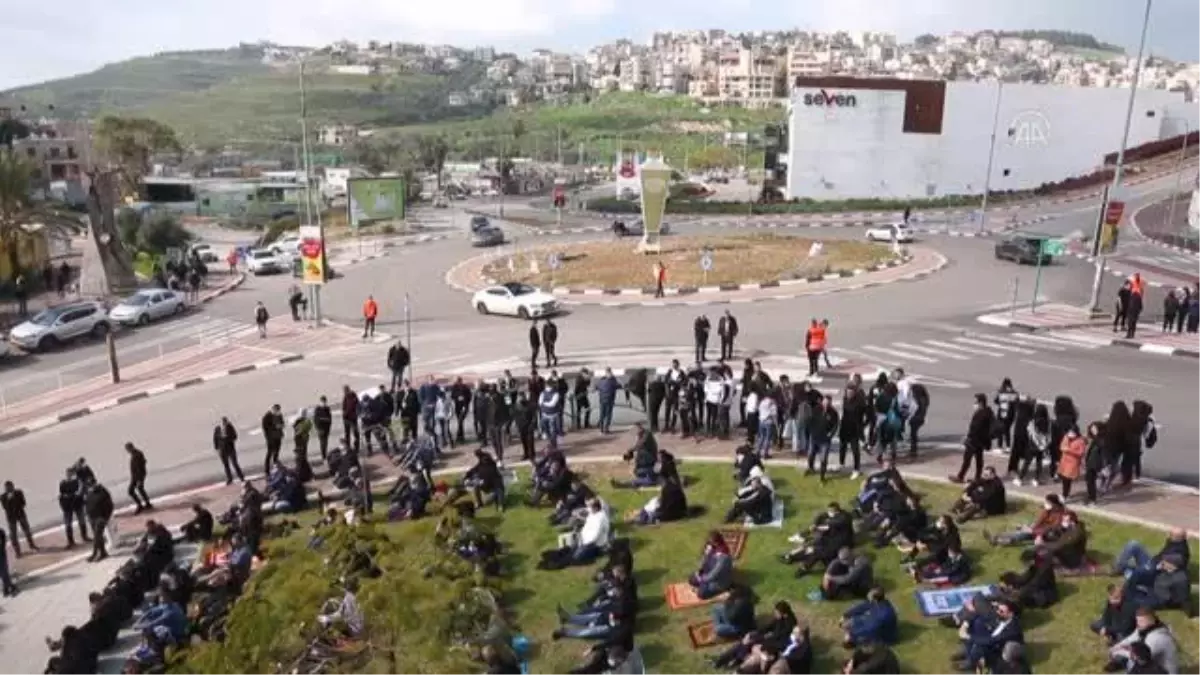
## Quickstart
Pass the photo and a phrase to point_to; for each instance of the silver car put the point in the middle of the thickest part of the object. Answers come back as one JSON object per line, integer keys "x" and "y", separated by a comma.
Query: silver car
{"x": 147, "y": 305}
{"x": 58, "y": 325}
{"x": 488, "y": 236}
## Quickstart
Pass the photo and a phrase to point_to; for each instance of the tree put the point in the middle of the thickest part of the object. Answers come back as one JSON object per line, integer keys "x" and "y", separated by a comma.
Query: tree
{"x": 431, "y": 153}
{"x": 18, "y": 210}
{"x": 925, "y": 40}
{"x": 131, "y": 142}
{"x": 11, "y": 131}
{"x": 518, "y": 131}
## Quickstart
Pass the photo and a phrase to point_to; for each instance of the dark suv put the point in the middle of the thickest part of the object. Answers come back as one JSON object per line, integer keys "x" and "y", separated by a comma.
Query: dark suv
{"x": 1023, "y": 250}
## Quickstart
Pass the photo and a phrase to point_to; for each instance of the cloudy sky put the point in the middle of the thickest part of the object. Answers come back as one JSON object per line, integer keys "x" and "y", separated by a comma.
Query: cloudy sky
{"x": 46, "y": 40}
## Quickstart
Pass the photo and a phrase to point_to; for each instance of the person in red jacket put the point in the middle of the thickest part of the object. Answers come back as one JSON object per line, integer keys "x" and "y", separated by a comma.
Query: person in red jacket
{"x": 370, "y": 313}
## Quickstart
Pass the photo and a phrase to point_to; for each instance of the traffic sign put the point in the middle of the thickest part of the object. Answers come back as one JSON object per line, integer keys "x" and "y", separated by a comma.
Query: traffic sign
{"x": 554, "y": 260}
{"x": 1113, "y": 213}
{"x": 1053, "y": 247}
{"x": 706, "y": 261}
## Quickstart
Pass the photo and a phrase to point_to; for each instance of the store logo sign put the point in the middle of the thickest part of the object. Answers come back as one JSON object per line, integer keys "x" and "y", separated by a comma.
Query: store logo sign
{"x": 1029, "y": 129}
{"x": 824, "y": 98}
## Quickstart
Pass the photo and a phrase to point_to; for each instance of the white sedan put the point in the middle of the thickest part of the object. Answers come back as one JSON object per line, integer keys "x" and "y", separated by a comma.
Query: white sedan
{"x": 147, "y": 305}
{"x": 898, "y": 232}
{"x": 515, "y": 299}
{"x": 264, "y": 261}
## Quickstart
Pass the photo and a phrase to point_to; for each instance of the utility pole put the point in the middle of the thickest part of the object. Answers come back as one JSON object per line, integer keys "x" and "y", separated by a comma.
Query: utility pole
{"x": 1119, "y": 172}
{"x": 987, "y": 179}
{"x": 559, "y": 145}
{"x": 308, "y": 201}
{"x": 1178, "y": 174}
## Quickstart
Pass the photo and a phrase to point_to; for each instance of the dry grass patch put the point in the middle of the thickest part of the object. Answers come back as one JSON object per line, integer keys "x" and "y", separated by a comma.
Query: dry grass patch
{"x": 738, "y": 259}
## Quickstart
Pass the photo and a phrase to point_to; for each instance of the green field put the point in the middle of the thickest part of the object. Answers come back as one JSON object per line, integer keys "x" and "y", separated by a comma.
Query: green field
{"x": 295, "y": 583}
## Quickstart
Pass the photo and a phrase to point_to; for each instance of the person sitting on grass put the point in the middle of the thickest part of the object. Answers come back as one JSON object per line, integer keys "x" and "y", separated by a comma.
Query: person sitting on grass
{"x": 485, "y": 478}
{"x": 572, "y": 506}
{"x": 1066, "y": 544}
{"x": 200, "y": 527}
{"x": 755, "y": 501}
{"x": 1036, "y": 587}
{"x": 498, "y": 662}
{"x": 644, "y": 455}
{"x": 903, "y": 524}
{"x": 1134, "y": 555}
{"x": 1156, "y": 636}
{"x": 932, "y": 540}
{"x": 745, "y": 460}
{"x": 551, "y": 477}
{"x": 345, "y": 618}
{"x": 1049, "y": 518}
{"x": 794, "y": 655}
{"x": 775, "y": 635}
{"x": 593, "y": 621}
{"x": 1141, "y": 661}
{"x": 950, "y": 568}
{"x": 611, "y": 651}
{"x": 1012, "y": 660}
{"x": 668, "y": 506}
{"x": 984, "y": 637}
{"x": 715, "y": 574}
{"x": 1164, "y": 587}
{"x": 831, "y": 531}
{"x": 1117, "y": 620}
{"x": 847, "y": 574}
{"x": 734, "y": 618}
{"x": 409, "y": 497}
{"x": 872, "y": 659}
{"x": 886, "y": 480}
{"x": 588, "y": 542}
{"x": 983, "y": 497}
{"x": 872, "y": 621}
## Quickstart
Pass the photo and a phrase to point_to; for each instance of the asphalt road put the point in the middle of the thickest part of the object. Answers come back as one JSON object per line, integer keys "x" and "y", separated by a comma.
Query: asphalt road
{"x": 928, "y": 326}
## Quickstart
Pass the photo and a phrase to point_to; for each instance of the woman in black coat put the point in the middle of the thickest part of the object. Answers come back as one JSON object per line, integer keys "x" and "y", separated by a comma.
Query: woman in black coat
{"x": 1142, "y": 426}
{"x": 1022, "y": 414}
{"x": 1120, "y": 444}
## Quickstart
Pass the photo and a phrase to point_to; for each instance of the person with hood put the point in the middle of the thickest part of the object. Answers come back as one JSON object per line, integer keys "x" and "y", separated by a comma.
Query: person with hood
{"x": 1035, "y": 442}
{"x": 715, "y": 574}
{"x": 984, "y": 496}
{"x": 978, "y": 439}
{"x": 1005, "y": 401}
{"x": 1143, "y": 435}
{"x": 1120, "y": 443}
{"x": 855, "y": 419}
{"x": 1117, "y": 620}
{"x": 1155, "y": 635}
{"x": 873, "y": 621}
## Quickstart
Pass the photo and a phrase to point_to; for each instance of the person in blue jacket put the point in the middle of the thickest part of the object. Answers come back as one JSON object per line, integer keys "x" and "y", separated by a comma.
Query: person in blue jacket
{"x": 985, "y": 637}
{"x": 872, "y": 621}
{"x": 607, "y": 386}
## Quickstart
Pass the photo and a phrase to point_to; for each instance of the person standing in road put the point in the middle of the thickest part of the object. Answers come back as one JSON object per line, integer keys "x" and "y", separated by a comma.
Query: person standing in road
{"x": 1133, "y": 312}
{"x": 825, "y": 351}
{"x": 535, "y": 343}
{"x": 1170, "y": 310}
{"x": 700, "y": 330}
{"x": 549, "y": 340}
{"x": 1184, "y": 294}
{"x": 225, "y": 443}
{"x": 272, "y": 429}
{"x": 323, "y": 423}
{"x": 907, "y": 214}
{"x": 350, "y": 418}
{"x": 428, "y": 394}
{"x": 99, "y": 506}
{"x": 261, "y": 316}
{"x": 137, "y": 479}
{"x": 13, "y": 503}
{"x": 70, "y": 502}
{"x": 1006, "y": 409}
{"x": 814, "y": 345}
{"x": 979, "y": 439}
{"x": 398, "y": 359}
{"x": 21, "y": 292}
{"x": 460, "y": 396}
{"x": 370, "y": 313}
{"x": 727, "y": 329}
{"x": 660, "y": 278}
{"x": 10, "y": 589}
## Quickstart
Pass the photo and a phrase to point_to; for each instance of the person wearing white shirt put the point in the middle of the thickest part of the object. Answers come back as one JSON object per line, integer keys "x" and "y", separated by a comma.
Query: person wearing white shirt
{"x": 548, "y": 409}
{"x": 348, "y": 612}
{"x": 750, "y": 413}
{"x": 589, "y": 543}
{"x": 675, "y": 382}
{"x": 714, "y": 395}
{"x": 441, "y": 419}
{"x": 767, "y": 413}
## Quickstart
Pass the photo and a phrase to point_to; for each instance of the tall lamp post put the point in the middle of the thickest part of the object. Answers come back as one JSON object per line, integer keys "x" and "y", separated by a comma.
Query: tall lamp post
{"x": 308, "y": 201}
{"x": 1178, "y": 173}
{"x": 987, "y": 179}
{"x": 1114, "y": 192}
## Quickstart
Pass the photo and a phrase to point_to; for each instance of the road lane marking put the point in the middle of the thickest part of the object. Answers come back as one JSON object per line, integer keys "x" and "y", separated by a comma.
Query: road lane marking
{"x": 903, "y": 355}
{"x": 1051, "y": 366}
{"x": 935, "y": 352}
{"x": 1043, "y": 342}
{"x": 960, "y": 348}
{"x": 1141, "y": 383}
{"x": 994, "y": 345}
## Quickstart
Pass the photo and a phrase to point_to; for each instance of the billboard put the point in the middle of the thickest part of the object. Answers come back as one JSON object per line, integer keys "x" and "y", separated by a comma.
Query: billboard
{"x": 312, "y": 255}
{"x": 374, "y": 199}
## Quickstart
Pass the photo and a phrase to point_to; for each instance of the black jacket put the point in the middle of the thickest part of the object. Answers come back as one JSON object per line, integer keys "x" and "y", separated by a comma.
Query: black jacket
{"x": 272, "y": 425}
{"x": 13, "y": 504}
{"x": 549, "y": 333}
{"x": 397, "y": 357}
{"x": 979, "y": 431}
{"x": 69, "y": 498}
{"x": 535, "y": 338}
{"x": 854, "y": 414}
{"x": 1119, "y": 620}
{"x": 727, "y": 326}
{"x": 700, "y": 328}
{"x": 349, "y": 406}
{"x": 322, "y": 418}
{"x": 224, "y": 437}
{"x": 137, "y": 465}
{"x": 672, "y": 502}
{"x": 739, "y": 612}
{"x": 98, "y": 504}
{"x": 460, "y": 395}
{"x": 988, "y": 494}
{"x": 486, "y": 472}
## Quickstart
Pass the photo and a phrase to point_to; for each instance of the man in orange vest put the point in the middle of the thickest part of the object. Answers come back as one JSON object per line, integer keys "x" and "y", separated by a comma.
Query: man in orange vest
{"x": 814, "y": 344}
{"x": 370, "y": 313}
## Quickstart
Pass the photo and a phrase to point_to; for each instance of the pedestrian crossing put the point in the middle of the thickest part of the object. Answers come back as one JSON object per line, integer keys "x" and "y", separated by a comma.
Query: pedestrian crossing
{"x": 206, "y": 328}
{"x": 1168, "y": 260}
{"x": 967, "y": 347}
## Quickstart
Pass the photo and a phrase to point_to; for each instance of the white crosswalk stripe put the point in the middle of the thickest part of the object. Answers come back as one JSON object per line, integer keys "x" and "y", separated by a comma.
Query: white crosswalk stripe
{"x": 957, "y": 348}
{"x": 965, "y": 348}
{"x": 899, "y": 354}
{"x": 209, "y": 329}
{"x": 931, "y": 350}
{"x": 993, "y": 344}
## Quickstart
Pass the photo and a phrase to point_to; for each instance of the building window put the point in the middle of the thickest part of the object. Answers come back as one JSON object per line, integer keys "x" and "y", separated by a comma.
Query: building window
{"x": 71, "y": 154}
{"x": 31, "y": 152}
{"x": 55, "y": 152}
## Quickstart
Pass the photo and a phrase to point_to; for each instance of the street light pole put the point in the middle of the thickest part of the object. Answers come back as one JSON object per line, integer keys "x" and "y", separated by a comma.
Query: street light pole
{"x": 1178, "y": 174}
{"x": 1119, "y": 172}
{"x": 987, "y": 179}
{"x": 308, "y": 201}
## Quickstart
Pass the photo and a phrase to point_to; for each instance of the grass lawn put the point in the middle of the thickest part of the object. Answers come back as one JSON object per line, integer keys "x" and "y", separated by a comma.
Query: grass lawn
{"x": 746, "y": 258}
{"x": 1059, "y": 640}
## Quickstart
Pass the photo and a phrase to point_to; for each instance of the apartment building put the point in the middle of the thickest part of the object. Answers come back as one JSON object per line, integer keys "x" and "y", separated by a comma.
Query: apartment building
{"x": 58, "y": 150}
{"x": 748, "y": 74}
{"x": 806, "y": 62}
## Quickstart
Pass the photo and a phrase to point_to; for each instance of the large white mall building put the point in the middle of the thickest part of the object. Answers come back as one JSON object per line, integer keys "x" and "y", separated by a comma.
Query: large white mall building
{"x": 915, "y": 139}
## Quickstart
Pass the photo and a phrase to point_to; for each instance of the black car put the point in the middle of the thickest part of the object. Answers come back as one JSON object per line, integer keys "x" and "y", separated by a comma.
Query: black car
{"x": 1023, "y": 250}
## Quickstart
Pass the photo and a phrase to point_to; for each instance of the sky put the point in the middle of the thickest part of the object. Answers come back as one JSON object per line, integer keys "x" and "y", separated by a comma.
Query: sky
{"x": 40, "y": 41}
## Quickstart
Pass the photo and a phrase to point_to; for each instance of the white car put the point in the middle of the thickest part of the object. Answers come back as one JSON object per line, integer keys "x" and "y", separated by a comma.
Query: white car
{"x": 205, "y": 253}
{"x": 286, "y": 247}
{"x": 515, "y": 299}
{"x": 147, "y": 305}
{"x": 898, "y": 232}
{"x": 57, "y": 325}
{"x": 264, "y": 261}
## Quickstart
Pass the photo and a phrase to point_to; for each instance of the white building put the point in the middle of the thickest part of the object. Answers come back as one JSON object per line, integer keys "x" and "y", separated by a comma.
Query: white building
{"x": 914, "y": 139}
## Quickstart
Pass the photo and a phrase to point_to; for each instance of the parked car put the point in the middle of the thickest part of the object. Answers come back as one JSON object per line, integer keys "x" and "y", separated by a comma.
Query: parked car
{"x": 58, "y": 325}
{"x": 1023, "y": 250}
{"x": 147, "y": 305}
{"x": 898, "y": 232}
{"x": 286, "y": 247}
{"x": 479, "y": 223}
{"x": 205, "y": 253}
{"x": 515, "y": 299}
{"x": 636, "y": 228}
{"x": 488, "y": 236}
{"x": 265, "y": 261}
